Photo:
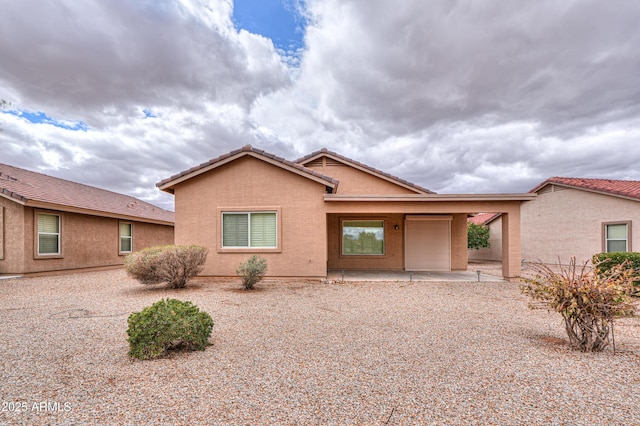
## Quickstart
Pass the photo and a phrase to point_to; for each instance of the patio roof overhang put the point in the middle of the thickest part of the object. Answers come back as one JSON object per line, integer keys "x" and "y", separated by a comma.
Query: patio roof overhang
{"x": 431, "y": 203}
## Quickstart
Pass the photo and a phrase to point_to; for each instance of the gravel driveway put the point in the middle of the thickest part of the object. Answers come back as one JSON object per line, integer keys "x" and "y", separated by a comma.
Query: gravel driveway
{"x": 307, "y": 353}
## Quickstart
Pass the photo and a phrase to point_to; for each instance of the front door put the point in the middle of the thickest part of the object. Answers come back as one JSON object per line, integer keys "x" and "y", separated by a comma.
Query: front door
{"x": 427, "y": 243}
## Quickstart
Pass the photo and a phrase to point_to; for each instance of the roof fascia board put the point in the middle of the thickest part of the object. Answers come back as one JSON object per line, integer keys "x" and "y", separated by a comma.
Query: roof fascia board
{"x": 167, "y": 186}
{"x": 78, "y": 210}
{"x": 22, "y": 200}
{"x": 430, "y": 197}
{"x": 363, "y": 169}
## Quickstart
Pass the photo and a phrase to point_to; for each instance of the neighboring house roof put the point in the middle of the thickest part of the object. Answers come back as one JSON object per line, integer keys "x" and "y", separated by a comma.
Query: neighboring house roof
{"x": 619, "y": 188}
{"x": 33, "y": 189}
{"x": 484, "y": 218}
{"x": 247, "y": 150}
{"x": 363, "y": 167}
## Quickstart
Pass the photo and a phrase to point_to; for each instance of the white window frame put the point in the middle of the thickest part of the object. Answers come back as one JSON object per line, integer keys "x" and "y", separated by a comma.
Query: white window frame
{"x": 58, "y": 234}
{"x": 130, "y": 237}
{"x": 249, "y": 214}
{"x": 384, "y": 237}
{"x": 606, "y": 239}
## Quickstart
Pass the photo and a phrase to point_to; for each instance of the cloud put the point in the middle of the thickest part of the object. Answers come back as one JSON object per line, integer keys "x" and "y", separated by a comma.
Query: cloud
{"x": 457, "y": 96}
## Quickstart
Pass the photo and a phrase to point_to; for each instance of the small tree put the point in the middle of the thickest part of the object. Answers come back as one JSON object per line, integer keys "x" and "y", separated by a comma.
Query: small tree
{"x": 588, "y": 301}
{"x": 171, "y": 264}
{"x": 252, "y": 271}
{"x": 477, "y": 236}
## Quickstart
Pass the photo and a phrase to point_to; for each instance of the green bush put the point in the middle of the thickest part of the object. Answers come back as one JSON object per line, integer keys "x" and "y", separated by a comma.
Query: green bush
{"x": 166, "y": 325}
{"x": 606, "y": 261}
{"x": 252, "y": 271}
{"x": 171, "y": 264}
{"x": 477, "y": 236}
{"x": 589, "y": 302}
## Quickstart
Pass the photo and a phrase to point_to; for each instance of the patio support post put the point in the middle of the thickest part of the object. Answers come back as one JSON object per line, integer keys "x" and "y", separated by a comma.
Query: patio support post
{"x": 511, "y": 249}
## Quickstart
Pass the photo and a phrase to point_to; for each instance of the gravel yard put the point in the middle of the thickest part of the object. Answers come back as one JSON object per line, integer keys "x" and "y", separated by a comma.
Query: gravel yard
{"x": 307, "y": 353}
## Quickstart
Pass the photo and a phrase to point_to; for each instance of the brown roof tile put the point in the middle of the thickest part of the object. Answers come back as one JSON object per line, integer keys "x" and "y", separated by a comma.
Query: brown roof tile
{"x": 26, "y": 186}
{"x": 622, "y": 188}
{"x": 364, "y": 166}
{"x": 483, "y": 218}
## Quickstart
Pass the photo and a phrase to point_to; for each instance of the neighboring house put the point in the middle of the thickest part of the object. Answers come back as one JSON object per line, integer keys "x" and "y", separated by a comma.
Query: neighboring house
{"x": 327, "y": 212}
{"x": 494, "y": 252}
{"x": 580, "y": 217}
{"x": 49, "y": 224}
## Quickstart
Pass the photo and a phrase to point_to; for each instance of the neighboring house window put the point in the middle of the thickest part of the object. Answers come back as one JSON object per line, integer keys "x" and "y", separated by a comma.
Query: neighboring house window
{"x": 48, "y": 234}
{"x": 363, "y": 237}
{"x": 617, "y": 237}
{"x": 126, "y": 237}
{"x": 249, "y": 229}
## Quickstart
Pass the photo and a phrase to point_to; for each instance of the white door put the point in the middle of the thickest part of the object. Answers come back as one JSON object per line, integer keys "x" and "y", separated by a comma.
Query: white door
{"x": 427, "y": 243}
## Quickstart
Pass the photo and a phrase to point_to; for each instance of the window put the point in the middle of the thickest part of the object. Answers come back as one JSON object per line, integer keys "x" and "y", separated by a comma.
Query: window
{"x": 48, "y": 234}
{"x": 250, "y": 229}
{"x": 363, "y": 237}
{"x": 126, "y": 237}
{"x": 616, "y": 237}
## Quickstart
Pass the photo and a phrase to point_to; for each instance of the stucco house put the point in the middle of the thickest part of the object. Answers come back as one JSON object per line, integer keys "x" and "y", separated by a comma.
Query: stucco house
{"x": 580, "y": 217}
{"x": 325, "y": 211}
{"x": 493, "y": 253}
{"x": 51, "y": 225}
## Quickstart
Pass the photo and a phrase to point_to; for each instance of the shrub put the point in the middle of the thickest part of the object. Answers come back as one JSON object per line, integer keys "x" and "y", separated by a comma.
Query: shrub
{"x": 588, "y": 301}
{"x": 477, "y": 236}
{"x": 171, "y": 264}
{"x": 166, "y": 325}
{"x": 606, "y": 261}
{"x": 252, "y": 271}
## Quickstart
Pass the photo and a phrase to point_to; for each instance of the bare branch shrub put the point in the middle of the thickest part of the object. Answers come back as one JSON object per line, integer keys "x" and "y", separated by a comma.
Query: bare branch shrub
{"x": 174, "y": 265}
{"x": 588, "y": 301}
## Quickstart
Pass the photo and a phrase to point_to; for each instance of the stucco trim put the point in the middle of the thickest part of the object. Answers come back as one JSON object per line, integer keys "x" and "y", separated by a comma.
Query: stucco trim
{"x": 38, "y": 256}
{"x": 249, "y": 250}
{"x": 618, "y": 222}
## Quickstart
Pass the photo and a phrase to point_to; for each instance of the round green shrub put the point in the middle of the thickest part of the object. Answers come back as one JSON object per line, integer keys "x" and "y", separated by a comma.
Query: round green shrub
{"x": 168, "y": 324}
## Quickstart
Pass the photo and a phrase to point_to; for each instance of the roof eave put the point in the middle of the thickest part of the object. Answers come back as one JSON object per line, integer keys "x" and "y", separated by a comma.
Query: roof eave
{"x": 580, "y": 188}
{"x": 100, "y": 213}
{"x": 430, "y": 197}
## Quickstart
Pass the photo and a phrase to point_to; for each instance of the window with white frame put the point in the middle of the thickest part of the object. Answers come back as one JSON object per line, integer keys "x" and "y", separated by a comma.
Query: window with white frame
{"x": 48, "y": 234}
{"x": 249, "y": 229}
{"x": 362, "y": 237}
{"x": 126, "y": 237}
{"x": 616, "y": 237}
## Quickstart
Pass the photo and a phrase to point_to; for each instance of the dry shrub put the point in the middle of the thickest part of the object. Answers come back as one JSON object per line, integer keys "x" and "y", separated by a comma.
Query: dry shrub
{"x": 588, "y": 301}
{"x": 171, "y": 264}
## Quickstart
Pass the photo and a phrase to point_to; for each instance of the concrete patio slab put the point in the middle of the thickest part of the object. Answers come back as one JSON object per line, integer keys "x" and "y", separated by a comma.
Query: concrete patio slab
{"x": 339, "y": 275}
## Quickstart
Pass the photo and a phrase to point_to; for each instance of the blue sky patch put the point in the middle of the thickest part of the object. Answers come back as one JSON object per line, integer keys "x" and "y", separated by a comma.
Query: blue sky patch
{"x": 40, "y": 117}
{"x": 278, "y": 20}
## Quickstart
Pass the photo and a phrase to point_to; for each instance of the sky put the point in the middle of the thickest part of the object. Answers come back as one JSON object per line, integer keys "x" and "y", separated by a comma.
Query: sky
{"x": 455, "y": 96}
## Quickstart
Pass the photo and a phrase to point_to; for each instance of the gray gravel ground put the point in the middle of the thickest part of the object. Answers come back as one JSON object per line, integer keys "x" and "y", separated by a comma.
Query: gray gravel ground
{"x": 307, "y": 353}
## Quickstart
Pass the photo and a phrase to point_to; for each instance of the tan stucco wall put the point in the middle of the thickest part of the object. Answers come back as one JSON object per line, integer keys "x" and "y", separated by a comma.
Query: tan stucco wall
{"x": 249, "y": 183}
{"x": 86, "y": 241}
{"x": 494, "y": 251}
{"x": 568, "y": 222}
{"x": 12, "y": 259}
{"x": 459, "y": 256}
{"x": 354, "y": 181}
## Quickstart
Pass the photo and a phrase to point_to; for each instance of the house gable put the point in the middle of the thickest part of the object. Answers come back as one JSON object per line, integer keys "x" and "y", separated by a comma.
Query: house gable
{"x": 168, "y": 184}
{"x": 356, "y": 177}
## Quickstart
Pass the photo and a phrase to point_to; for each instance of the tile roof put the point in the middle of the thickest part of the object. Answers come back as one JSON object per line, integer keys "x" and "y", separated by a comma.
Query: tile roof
{"x": 364, "y": 166}
{"x": 621, "y": 188}
{"x": 484, "y": 218}
{"x": 31, "y": 188}
{"x": 260, "y": 153}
